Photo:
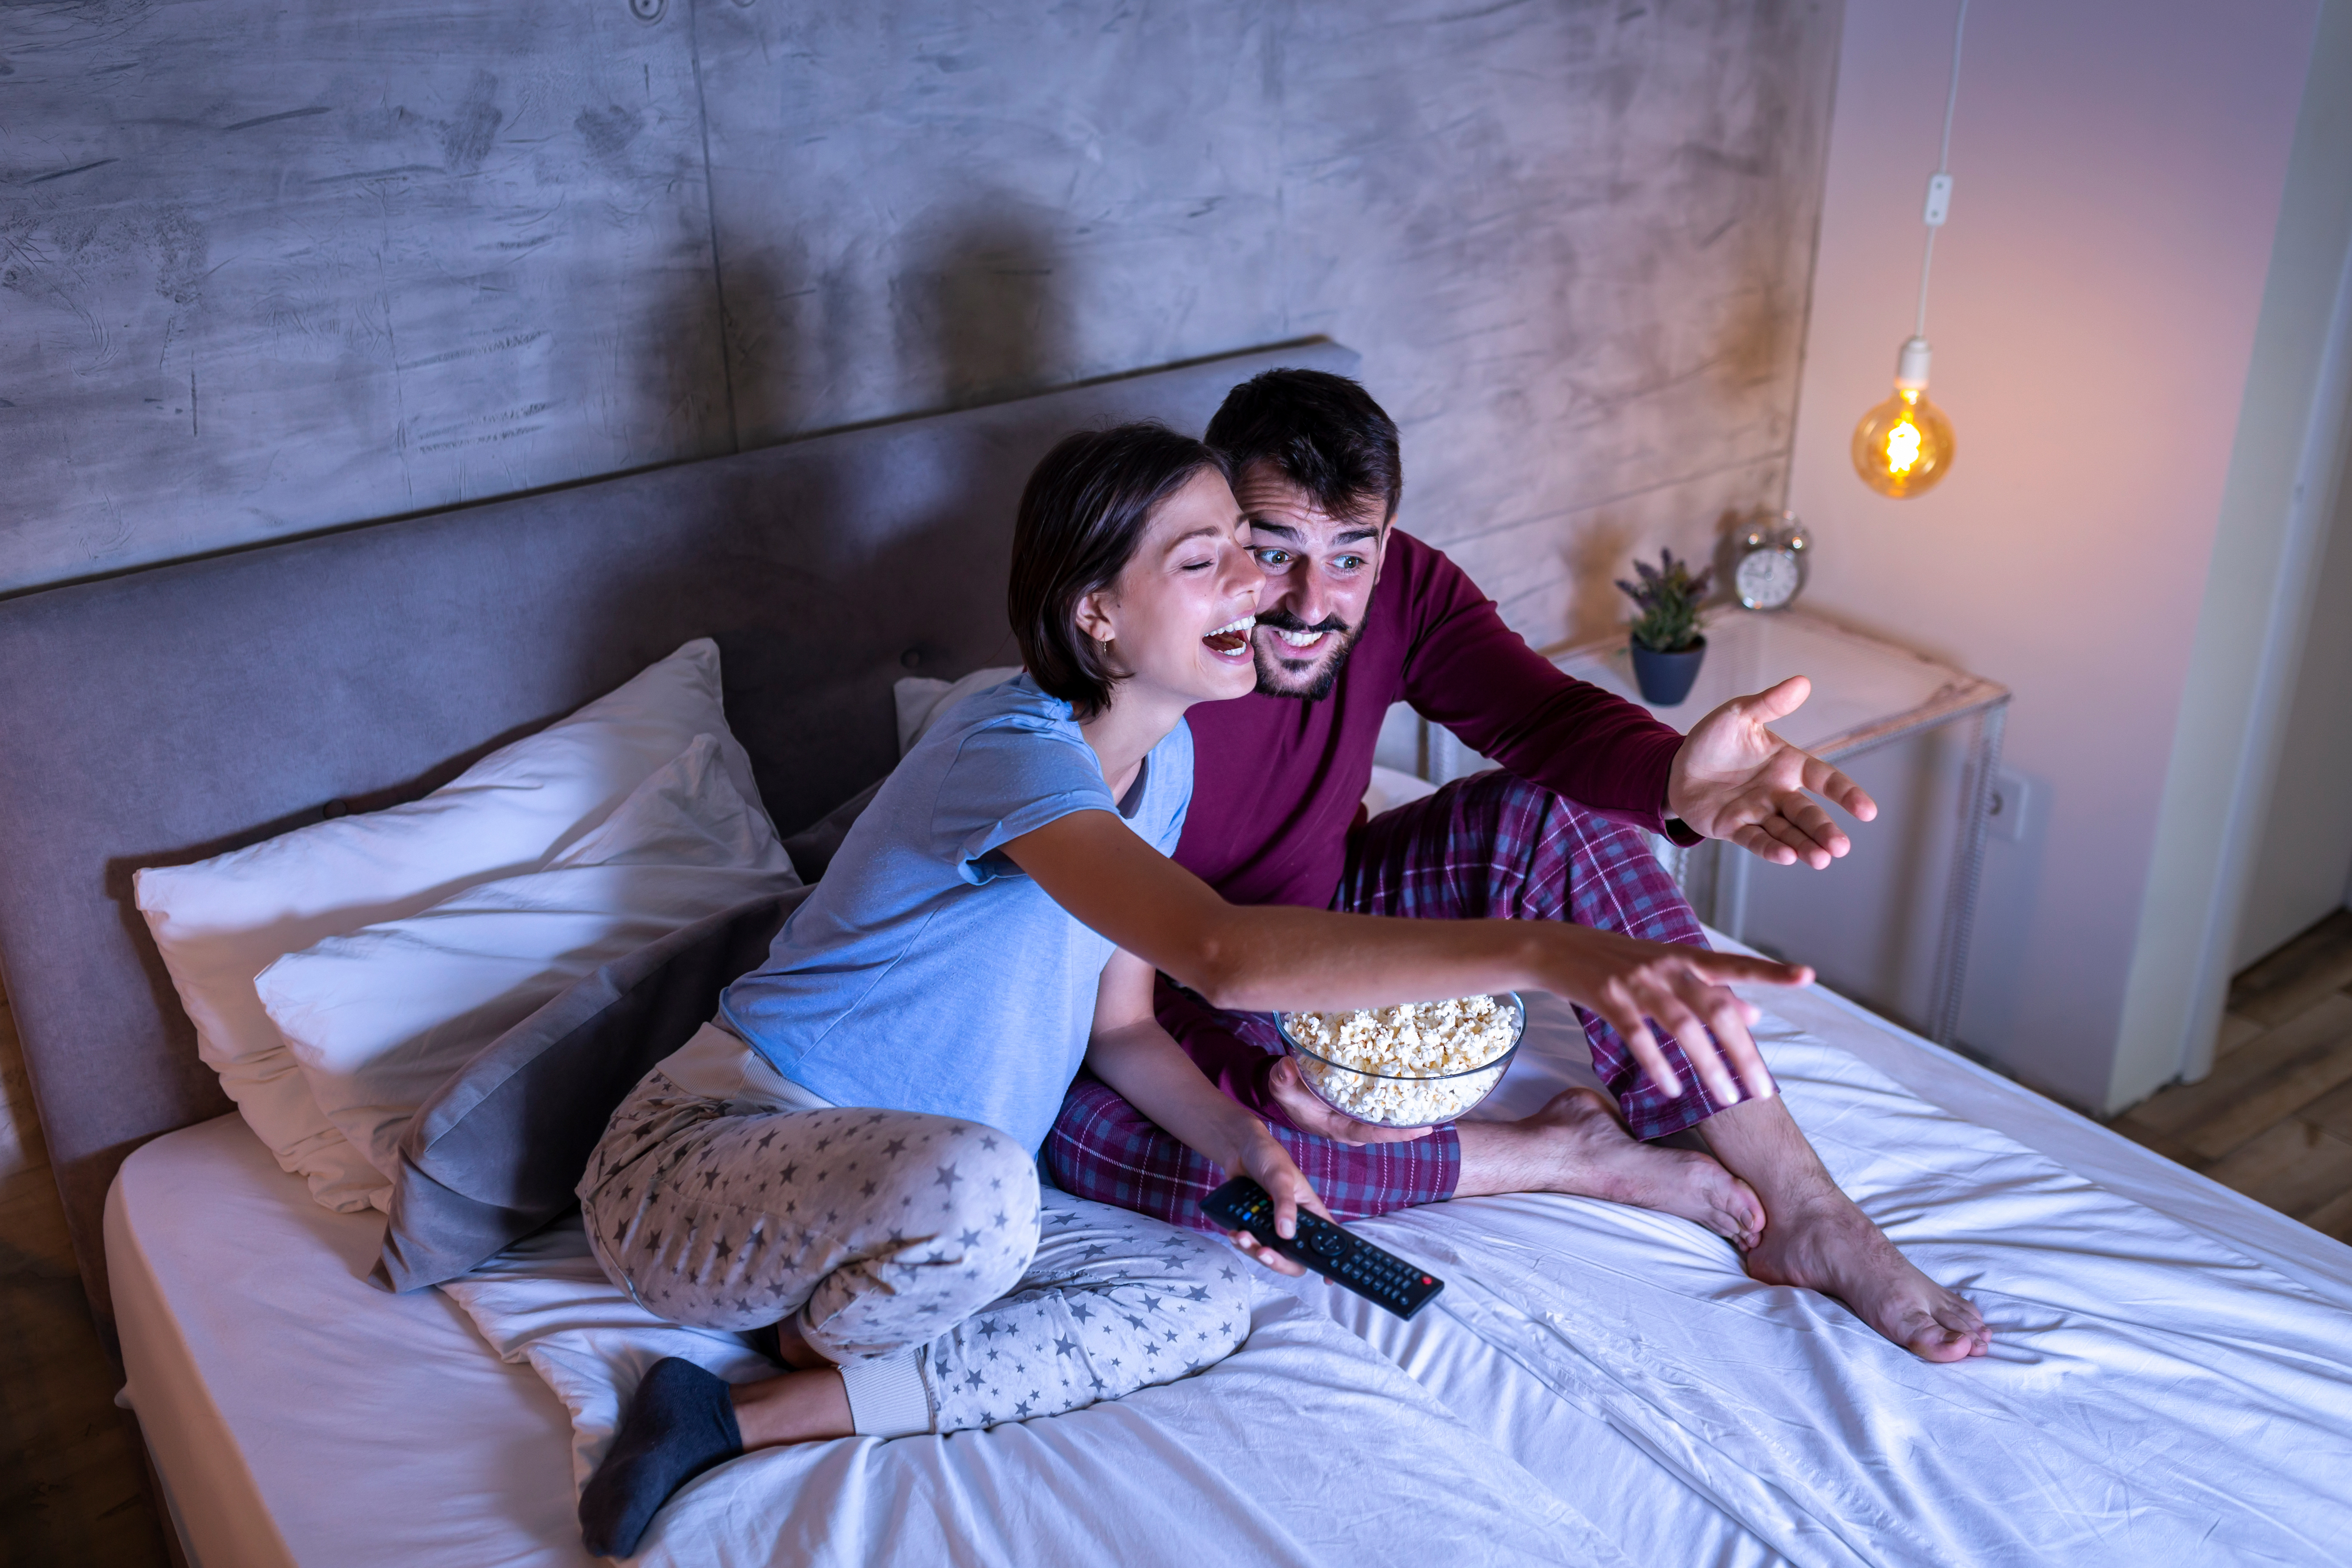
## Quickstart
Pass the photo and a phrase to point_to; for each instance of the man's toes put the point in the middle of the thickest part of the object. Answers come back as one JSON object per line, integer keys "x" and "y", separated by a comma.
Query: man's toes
{"x": 1750, "y": 1210}
{"x": 1937, "y": 1344}
{"x": 1959, "y": 1314}
{"x": 1947, "y": 1331}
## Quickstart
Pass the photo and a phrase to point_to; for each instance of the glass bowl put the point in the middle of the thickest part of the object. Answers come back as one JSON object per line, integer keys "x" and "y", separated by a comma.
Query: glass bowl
{"x": 1387, "y": 1100}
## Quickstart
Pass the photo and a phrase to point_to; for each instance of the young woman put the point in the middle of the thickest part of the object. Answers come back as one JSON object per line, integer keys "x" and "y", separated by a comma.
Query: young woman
{"x": 848, "y": 1152}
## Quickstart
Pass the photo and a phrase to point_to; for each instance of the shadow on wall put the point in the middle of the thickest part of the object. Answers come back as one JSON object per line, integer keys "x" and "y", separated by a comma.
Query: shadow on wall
{"x": 985, "y": 311}
{"x": 888, "y": 549}
{"x": 1598, "y": 552}
{"x": 982, "y": 309}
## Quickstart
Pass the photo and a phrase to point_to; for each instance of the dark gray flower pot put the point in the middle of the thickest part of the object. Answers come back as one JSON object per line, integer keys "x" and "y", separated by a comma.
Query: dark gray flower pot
{"x": 1665, "y": 677}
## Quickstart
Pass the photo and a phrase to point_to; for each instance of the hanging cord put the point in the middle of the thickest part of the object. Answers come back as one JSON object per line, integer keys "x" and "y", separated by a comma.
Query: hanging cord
{"x": 1943, "y": 169}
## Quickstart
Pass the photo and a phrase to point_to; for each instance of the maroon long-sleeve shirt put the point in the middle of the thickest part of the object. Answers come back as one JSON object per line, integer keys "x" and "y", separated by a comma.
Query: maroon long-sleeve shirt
{"x": 1277, "y": 781}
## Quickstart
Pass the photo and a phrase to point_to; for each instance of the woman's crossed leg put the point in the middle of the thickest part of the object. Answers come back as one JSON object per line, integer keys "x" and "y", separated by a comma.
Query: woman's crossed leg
{"x": 916, "y": 1280}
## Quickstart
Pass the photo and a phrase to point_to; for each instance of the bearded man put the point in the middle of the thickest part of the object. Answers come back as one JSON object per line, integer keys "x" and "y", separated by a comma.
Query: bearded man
{"x": 1358, "y": 614}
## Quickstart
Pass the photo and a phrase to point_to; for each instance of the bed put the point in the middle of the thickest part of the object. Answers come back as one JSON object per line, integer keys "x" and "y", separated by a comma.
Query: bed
{"x": 2172, "y": 1381}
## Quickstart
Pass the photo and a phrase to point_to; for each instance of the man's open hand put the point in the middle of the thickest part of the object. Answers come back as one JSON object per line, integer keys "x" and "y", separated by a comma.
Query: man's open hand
{"x": 1309, "y": 1113}
{"x": 1735, "y": 779}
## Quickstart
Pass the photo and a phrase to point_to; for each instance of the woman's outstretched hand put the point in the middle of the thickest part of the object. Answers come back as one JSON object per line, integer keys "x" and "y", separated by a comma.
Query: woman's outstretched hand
{"x": 1735, "y": 779}
{"x": 1685, "y": 991}
{"x": 1266, "y": 1162}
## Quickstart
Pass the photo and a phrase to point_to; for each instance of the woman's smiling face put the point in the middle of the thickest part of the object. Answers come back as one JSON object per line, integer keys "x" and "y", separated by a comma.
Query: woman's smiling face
{"x": 1179, "y": 615}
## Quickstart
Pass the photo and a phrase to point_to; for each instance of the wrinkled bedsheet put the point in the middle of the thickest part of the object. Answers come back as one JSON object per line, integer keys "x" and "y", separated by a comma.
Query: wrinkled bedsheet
{"x": 1307, "y": 1447}
{"x": 1601, "y": 1384}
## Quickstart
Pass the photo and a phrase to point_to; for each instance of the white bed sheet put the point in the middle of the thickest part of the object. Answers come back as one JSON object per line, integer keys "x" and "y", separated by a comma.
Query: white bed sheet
{"x": 2157, "y": 1393}
{"x": 297, "y": 1414}
{"x": 1305, "y": 1448}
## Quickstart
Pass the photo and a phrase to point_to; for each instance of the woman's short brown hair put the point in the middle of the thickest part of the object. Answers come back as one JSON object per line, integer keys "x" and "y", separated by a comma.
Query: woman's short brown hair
{"x": 1081, "y": 518}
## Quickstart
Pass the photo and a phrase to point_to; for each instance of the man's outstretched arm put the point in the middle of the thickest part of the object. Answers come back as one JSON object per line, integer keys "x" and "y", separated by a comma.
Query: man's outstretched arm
{"x": 1730, "y": 778}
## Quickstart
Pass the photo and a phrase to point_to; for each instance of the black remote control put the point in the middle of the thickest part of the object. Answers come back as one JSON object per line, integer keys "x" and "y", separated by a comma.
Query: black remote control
{"x": 1379, "y": 1276}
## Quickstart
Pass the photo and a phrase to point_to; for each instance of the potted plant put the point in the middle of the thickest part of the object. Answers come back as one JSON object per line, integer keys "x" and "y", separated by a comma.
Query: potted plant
{"x": 1667, "y": 646}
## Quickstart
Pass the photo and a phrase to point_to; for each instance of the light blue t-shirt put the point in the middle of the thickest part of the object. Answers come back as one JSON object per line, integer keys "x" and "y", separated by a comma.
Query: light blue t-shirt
{"x": 927, "y": 971}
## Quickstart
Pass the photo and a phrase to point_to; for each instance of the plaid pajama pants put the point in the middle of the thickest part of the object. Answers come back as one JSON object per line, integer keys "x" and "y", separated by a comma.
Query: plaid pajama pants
{"x": 1489, "y": 846}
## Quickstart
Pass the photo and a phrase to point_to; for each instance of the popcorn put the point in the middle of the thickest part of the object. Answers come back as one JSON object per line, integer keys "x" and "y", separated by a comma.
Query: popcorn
{"x": 1411, "y": 1065}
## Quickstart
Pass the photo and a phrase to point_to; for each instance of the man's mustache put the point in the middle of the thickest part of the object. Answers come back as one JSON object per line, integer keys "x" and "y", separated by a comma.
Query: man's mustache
{"x": 1283, "y": 620}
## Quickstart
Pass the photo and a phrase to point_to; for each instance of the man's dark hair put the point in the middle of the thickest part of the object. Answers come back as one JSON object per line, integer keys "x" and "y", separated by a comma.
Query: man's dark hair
{"x": 1081, "y": 518}
{"x": 1321, "y": 432}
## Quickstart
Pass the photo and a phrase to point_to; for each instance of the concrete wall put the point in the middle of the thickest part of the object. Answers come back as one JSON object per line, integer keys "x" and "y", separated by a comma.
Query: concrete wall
{"x": 2119, "y": 168}
{"x": 273, "y": 269}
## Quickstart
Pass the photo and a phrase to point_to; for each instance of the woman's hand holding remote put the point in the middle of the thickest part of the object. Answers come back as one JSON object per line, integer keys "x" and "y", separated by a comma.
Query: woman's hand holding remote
{"x": 1129, "y": 1051}
{"x": 1269, "y": 1164}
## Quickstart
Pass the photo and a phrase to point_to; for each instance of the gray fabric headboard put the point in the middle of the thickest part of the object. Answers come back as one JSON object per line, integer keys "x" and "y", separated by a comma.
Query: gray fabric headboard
{"x": 170, "y": 714}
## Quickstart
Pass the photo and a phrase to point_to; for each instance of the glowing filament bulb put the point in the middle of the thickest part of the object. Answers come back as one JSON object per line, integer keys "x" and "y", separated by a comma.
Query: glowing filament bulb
{"x": 1904, "y": 445}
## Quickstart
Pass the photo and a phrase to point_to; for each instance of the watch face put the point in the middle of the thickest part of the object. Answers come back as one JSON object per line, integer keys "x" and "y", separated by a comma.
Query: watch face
{"x": 1767, "y": 579}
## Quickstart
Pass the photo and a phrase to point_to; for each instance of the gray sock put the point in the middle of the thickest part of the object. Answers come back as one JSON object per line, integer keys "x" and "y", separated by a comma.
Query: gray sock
{"x": 680, "y": 1423}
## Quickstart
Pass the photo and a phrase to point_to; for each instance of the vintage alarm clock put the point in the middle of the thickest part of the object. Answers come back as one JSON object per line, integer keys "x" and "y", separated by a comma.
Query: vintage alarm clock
{"x": 1771, "y": 564}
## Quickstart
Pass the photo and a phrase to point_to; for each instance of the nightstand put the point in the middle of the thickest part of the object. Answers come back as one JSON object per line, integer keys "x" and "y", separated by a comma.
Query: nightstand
{"x": 1867, "y": 693}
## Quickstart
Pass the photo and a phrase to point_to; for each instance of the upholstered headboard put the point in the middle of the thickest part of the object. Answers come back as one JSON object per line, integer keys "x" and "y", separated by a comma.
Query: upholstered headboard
{"x": 173, "y": 714}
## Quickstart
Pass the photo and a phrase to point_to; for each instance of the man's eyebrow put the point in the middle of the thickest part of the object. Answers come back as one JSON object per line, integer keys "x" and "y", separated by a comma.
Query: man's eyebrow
{"x": 1355, "y": 535}
{"x": 1262, "y": 525}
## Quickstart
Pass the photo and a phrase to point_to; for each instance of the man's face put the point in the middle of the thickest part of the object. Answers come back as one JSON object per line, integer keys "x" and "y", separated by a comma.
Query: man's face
{"x": 1319, "y": 575}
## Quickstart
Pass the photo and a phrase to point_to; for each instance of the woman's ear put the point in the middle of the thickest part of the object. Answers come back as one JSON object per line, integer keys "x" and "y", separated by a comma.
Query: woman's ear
{"x": 1093, "y": 617}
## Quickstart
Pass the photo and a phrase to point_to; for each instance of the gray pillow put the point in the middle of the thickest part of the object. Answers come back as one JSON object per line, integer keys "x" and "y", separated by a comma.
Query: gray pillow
{"x": 495, "y": 1153}
{"x": 814, "y": 846}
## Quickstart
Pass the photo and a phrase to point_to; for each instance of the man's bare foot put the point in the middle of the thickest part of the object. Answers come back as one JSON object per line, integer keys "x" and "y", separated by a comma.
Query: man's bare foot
{"x": 1576, "y": 1144}
{"x": 1819, "y": 1239}
{"x": 1829, "y": 1245}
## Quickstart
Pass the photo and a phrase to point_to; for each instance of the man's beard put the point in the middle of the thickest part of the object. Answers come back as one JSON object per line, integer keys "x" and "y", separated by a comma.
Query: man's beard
{"x": 1274, "y": 679}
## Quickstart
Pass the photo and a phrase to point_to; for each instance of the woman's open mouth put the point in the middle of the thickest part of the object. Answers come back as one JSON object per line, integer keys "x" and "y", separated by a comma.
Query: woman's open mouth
{"x": 1232, "y": 639}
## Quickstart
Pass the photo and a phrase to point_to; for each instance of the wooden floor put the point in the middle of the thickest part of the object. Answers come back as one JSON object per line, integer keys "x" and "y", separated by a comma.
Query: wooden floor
{"x": 2274, "y": 1119}
{"x": 70, "y": 1487}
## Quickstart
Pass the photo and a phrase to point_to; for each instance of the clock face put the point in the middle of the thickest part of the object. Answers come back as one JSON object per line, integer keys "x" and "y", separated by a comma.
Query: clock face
{"x": 1767, "y": 579}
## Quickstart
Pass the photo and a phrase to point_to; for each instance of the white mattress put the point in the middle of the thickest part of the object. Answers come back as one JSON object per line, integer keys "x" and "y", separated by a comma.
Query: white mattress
{"x": 297, "y": 1413}
{"x": 2172, "y": 1362}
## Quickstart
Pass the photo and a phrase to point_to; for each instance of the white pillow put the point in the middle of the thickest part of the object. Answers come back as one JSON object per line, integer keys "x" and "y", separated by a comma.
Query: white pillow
{"x": 381, "y": 1017}
{"x": 922, "y": 699}
{"x": 1391, "y": 788}
{"x": 220, "y": 921}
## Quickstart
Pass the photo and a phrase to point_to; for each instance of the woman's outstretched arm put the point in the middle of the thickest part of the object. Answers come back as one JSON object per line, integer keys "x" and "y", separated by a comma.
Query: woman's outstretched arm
{"x": 1257, "y": 958}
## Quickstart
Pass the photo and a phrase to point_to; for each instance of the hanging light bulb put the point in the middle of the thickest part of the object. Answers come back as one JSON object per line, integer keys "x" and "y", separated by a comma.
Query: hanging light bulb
{"x": 1904, "y": 445}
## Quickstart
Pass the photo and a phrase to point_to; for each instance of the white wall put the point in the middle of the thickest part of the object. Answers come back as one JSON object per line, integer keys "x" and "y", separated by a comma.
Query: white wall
{"x": 2258, "y": 600}
{"x": 2305, "y": 858}
{"x": 2119, "y": 166}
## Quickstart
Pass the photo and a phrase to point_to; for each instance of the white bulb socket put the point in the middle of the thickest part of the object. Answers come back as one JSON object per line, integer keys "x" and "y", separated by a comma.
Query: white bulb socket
{"x": 1911, "y": 366}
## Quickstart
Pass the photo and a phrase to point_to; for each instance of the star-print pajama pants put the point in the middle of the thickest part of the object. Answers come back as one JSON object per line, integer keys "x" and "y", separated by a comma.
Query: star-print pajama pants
{"x": 1491, "y": 845}
{"x": 915, "y": 1250}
